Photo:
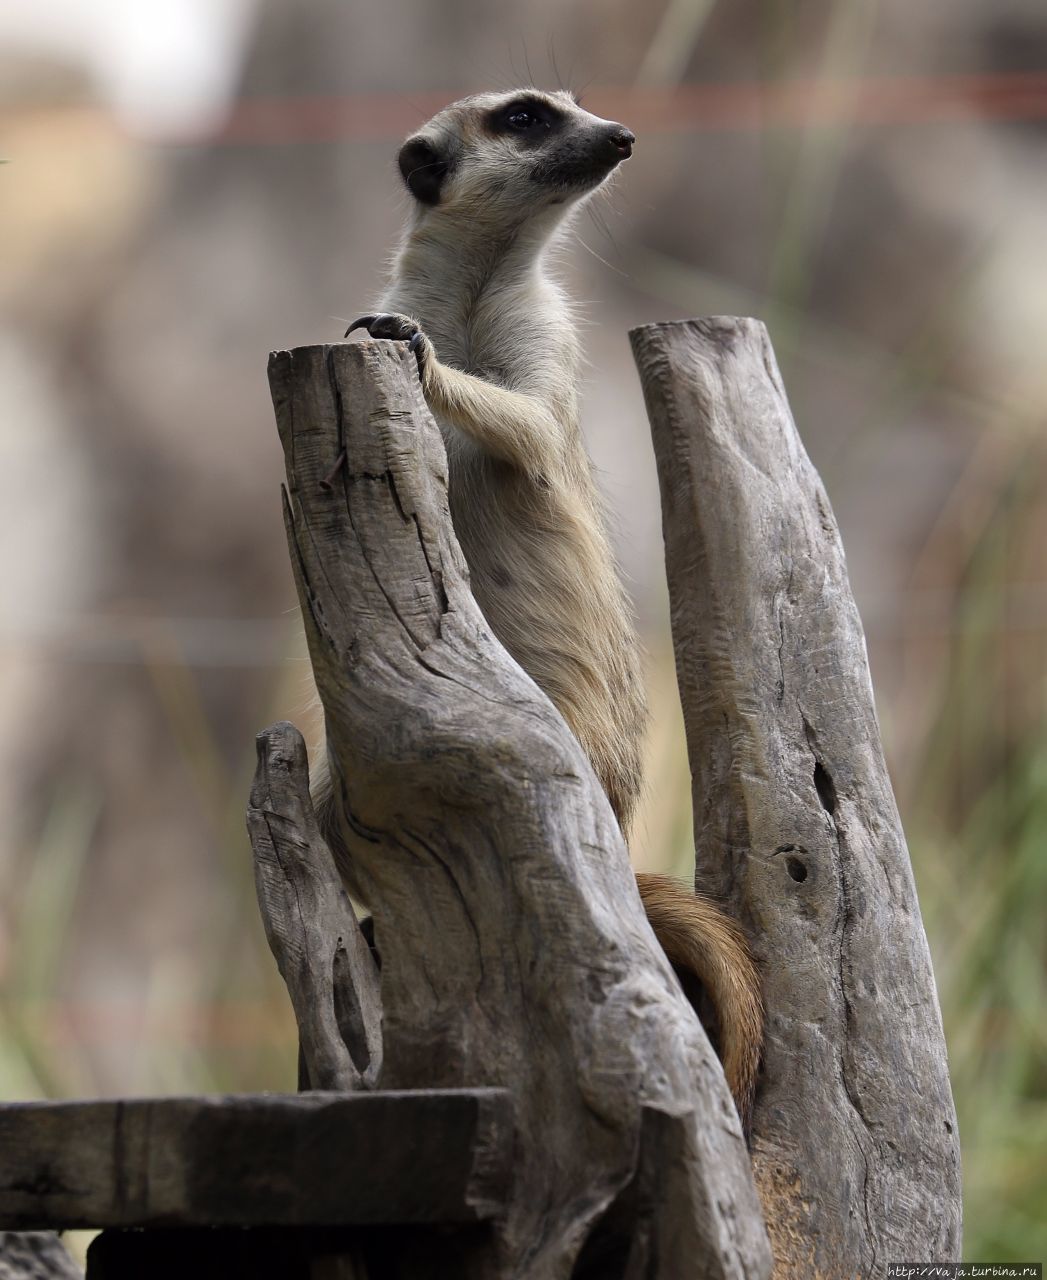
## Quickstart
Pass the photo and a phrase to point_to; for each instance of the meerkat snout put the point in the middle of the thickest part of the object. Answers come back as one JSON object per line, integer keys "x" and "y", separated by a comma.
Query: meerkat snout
{"x": 622, "y": 140}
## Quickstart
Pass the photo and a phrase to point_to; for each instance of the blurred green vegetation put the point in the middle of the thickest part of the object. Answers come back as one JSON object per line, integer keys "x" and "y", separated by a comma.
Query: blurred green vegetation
{"x": 977, "y": 824}
{"x": 219, "y": 1022}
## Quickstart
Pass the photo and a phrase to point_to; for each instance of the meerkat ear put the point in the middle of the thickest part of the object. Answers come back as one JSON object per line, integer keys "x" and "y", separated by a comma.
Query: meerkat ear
{"x": 424, "y": 169}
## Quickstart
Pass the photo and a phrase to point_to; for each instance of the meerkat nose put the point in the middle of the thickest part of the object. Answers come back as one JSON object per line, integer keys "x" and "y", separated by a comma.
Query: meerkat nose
{"x": 622, "y": 140}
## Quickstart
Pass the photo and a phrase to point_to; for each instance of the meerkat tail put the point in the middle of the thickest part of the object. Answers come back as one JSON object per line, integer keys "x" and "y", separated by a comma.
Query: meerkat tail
{"x": 698, "y": 937}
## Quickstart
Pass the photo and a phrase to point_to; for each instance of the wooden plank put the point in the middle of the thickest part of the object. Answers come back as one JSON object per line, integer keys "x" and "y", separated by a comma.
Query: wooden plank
{"x": 310, "y": 1159}
{"x": 796, "y": 827}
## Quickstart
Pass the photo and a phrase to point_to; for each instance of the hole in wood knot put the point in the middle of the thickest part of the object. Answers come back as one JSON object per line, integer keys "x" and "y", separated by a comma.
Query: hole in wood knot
{"x": 796, "y": 868}
{"x": 826, "y": 788}
{"x": 347, "y": 1011}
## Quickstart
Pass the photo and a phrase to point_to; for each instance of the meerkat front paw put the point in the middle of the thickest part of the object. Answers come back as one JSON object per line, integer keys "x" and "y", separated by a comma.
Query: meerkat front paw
{"x": 399, "y": 329}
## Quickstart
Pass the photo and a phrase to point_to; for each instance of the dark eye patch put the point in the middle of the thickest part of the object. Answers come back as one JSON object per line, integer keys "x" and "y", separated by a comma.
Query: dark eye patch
{"x": 530, "y": 119}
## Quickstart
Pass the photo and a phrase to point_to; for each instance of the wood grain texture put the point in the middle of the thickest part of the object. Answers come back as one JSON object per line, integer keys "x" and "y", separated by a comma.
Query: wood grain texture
{"x": 796, "y": 826}
{"x": 515, "y": 951}
{"x": 256, "y": 1160}
{"x": 327, "y": 966}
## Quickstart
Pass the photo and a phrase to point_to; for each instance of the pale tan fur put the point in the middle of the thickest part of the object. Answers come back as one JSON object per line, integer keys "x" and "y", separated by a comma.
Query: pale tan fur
{"x": 499, "y": 360}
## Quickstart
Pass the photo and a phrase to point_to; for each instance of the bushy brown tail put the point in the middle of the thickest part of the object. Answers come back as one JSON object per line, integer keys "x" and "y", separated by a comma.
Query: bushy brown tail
{"x": 698, "y": 937}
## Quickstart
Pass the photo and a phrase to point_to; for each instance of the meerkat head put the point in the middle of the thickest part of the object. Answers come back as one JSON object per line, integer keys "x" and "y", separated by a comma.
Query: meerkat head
{"x": 500, "y": 156}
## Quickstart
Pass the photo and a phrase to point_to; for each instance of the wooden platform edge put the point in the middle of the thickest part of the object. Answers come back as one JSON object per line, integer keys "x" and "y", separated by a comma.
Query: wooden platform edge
{"x": 311, "y": 1159}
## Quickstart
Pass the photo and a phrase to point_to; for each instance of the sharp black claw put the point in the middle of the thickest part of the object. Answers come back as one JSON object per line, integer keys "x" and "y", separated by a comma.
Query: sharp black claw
{"x": 416, "y": 341}
{"x": 364, "y": 322}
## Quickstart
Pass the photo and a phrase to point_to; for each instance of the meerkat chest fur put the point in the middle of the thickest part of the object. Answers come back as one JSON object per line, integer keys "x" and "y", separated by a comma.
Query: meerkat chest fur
{"x": 523, "y": 500}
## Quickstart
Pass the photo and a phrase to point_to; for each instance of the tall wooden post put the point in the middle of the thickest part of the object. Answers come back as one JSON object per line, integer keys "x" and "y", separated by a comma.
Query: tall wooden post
{"x": 796, "y": 828}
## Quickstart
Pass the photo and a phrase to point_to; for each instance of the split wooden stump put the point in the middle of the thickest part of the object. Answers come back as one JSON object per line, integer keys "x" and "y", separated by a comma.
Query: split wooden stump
{"x": 520, "y": 1087}
{"x": 514, "y": 949}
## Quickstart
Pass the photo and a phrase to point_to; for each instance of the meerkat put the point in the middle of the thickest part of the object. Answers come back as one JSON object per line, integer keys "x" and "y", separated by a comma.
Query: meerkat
{"x": 495, "y": 179}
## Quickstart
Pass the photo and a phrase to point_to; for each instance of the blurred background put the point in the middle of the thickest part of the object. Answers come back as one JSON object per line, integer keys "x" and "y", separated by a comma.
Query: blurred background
{"x": 190, "y": 183}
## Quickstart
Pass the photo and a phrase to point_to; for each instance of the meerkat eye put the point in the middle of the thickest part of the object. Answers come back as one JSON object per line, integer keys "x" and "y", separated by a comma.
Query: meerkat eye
{"x": 528, "y": 119}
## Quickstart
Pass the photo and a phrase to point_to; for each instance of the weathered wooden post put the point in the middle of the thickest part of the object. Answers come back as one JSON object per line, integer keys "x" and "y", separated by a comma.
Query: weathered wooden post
{"x": 856, "y": 1151}
{"x": 515, "y": 951}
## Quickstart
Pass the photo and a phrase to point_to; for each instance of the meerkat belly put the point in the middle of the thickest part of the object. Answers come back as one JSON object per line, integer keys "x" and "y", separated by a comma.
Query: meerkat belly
{"x": 543, "y": 575}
